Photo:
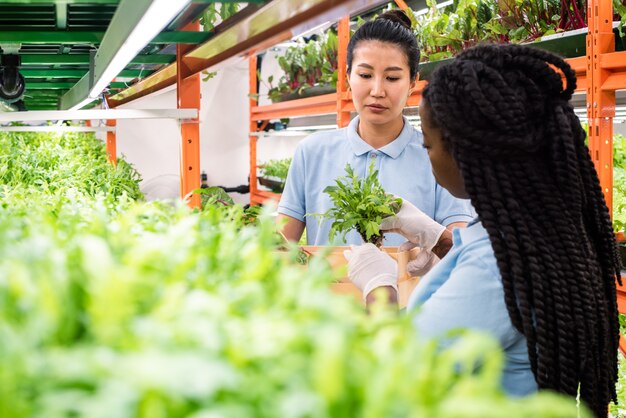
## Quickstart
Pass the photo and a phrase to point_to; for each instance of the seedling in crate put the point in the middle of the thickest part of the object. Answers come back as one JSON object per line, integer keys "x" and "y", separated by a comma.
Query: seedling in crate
{"x": 361, "y": 204}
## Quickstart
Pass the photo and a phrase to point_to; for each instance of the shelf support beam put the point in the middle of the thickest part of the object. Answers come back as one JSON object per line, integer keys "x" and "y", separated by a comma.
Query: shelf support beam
{"x": 188, "y": 97}
{"x": 253, "y": 128}
{"x": 111, "y": 143}
{"x": 343, "y": 35}
{"x": 600, "y": 103}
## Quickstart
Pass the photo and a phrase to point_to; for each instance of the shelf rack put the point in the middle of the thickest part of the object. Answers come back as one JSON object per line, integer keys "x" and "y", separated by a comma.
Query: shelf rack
{"x": 599, "y": 73}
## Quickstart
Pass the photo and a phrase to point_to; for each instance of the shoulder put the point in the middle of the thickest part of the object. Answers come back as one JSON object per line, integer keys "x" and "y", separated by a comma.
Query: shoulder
{"x": 416, "y": 136}
{"x": 479, "y": 256}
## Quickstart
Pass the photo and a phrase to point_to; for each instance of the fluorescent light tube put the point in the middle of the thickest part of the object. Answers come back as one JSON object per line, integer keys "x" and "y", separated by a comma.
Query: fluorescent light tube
{"x": 158, "y": 16}
{"x": 82, "y": 104}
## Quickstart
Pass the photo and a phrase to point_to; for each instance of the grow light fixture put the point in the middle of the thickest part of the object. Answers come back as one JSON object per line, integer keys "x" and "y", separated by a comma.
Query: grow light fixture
{"x": 82, "y": 104}
{"x": 158, "y": 15}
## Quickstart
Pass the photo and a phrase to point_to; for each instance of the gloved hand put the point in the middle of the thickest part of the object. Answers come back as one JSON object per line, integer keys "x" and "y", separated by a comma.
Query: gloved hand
{"x": 414, "y": 225}
{"x": 420, "y": 260}
{"x": 369, "y": 268}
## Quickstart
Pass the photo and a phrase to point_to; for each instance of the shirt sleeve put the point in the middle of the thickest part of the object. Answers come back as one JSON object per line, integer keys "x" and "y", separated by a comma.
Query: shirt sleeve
{"x": 472, "y": 298}
{"x": 449, "y": 209}
{"x": 292, "y": 201}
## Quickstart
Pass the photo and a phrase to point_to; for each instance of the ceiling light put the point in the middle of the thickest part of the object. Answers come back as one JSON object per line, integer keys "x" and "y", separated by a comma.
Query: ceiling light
{"x": 158, "y": 16}
{"x": 82, "y": 104}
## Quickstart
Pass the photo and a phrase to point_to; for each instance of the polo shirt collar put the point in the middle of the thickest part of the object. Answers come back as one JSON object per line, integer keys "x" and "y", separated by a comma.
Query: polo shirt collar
{"x": 393, "y": 149}
{"x": 474, "y": 231}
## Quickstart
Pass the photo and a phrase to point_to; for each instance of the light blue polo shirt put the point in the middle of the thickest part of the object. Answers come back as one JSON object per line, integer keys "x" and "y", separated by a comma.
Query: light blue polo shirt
{"x": 403, "y": 169}
{"x": 465, "y": 291}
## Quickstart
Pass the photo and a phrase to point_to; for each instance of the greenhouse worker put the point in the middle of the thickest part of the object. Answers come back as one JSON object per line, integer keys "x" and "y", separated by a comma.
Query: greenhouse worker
{"x": 537, "y": 268}
{"x": 383, "y": 58}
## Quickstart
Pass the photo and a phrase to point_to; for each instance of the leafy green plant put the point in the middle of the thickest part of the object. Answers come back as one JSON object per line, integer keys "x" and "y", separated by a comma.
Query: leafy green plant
{"x": 306, "y": 65}
{"x": 115, "y": 307}
{"x": 276, "y": 168}
{"x": 55, "y": 163}
{"x": 361, "y": 204}
{"x": 443, "y": 32}
{"x": 216, "y": 12}
{"x": 216, "y": 197}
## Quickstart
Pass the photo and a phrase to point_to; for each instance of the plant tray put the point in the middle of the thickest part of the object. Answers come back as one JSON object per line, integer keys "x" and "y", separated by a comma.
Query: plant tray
{"x": 310, "y": 92}
{"x": 275, "y": 186}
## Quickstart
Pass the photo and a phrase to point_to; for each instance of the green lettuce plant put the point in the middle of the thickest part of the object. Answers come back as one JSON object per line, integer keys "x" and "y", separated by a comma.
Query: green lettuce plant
{"x": 306, "y": 65}
{"x": 276, "y": 168}
{"x": 361, "y": 204}
{"x": 115, "y": 307}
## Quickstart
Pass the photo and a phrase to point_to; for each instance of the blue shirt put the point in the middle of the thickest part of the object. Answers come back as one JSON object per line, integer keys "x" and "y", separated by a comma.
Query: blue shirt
{"x": 403, "y": 169}
{"x": 465, "y": 291}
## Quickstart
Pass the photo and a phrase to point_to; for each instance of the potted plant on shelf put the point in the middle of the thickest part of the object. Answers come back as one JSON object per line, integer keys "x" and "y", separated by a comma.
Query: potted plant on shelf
{"x": 273, "y": 174}
{"x": 619, "y": 189}
{"x": 310, "y": 69}
{"x": 444, "y": 32}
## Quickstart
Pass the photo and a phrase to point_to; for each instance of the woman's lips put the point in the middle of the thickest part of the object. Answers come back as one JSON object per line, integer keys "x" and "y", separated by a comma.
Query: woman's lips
{"x": 377, "y": 108}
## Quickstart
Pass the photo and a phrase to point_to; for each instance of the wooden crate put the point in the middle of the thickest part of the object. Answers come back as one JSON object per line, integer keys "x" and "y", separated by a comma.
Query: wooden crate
{"x": 336, "y": 259}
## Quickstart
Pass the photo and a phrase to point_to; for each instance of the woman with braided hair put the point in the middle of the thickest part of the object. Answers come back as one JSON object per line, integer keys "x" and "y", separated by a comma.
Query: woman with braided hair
{"x": 537, "y": 268}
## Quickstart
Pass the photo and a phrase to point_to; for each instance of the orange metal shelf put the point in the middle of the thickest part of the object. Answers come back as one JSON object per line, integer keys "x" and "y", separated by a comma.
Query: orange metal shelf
{"x": 261, "y": 196}
{"x": 317, "y": 105}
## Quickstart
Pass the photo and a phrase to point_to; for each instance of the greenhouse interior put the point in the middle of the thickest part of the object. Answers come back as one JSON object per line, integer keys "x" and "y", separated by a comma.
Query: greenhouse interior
{"x": 312, "y": 208}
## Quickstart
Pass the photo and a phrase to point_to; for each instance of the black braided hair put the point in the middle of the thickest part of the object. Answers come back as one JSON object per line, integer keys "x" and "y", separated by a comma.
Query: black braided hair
{"x": 505, "y": 116}
{"x": 393, "y": 27}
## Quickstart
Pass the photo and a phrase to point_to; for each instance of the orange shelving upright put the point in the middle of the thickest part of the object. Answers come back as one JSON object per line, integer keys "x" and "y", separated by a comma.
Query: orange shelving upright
{"x": 339, "y": 103}
{"x": 188, "y": 97}
{"x": 111, "y": 142}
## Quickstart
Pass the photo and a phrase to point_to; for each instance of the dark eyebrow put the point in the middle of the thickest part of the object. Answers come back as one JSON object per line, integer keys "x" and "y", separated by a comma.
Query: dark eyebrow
{"x": 369, "y": 67}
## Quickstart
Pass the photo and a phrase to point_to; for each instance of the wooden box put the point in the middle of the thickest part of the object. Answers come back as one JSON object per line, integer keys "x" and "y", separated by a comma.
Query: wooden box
{"x": 336, "y": 259}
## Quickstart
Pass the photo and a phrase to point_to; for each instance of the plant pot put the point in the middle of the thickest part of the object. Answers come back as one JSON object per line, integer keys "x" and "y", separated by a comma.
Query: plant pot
{"x": 309, "y": 92}
{"x": 274, "y": 184}
{"x": 338, "y": 263}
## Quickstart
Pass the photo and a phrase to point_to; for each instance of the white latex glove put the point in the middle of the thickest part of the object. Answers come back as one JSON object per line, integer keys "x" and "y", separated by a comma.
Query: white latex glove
{"x": 414, "y": 225}
{"x": 369, "y": 268}
{"x": 420, "y": 261}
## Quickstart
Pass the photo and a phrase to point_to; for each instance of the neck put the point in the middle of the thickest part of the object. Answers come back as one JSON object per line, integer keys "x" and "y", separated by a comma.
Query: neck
{"x": 380, "y": 135}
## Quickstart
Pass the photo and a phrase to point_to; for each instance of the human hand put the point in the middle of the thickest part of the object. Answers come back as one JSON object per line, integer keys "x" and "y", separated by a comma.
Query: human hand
{"x": 370, "y": 268}
{"x": 414, "y": 225}
{"x": 421, "y": 261}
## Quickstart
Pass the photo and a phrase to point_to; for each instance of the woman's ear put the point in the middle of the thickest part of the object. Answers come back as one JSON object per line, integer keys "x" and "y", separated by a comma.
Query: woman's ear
{"x": 412, "y": 87}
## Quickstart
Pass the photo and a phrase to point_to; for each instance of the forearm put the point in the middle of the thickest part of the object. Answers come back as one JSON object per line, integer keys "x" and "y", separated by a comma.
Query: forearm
{"x": 292, "y": 228}
{"x": 445, "y": 240}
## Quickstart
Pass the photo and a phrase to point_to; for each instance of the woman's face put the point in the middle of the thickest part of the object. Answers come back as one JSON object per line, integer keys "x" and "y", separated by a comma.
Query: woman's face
{"x": 380, "y": 81}
{"x": 445, "y": 169}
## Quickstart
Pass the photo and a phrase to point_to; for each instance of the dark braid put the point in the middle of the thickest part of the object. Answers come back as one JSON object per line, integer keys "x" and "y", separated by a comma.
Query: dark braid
{"x": 506, "y": 118}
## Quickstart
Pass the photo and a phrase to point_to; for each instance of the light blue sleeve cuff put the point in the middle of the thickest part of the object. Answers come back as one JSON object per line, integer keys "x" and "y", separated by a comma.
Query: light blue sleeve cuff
{"x": 454, "y": 218}
{"x": 283, "y": 210}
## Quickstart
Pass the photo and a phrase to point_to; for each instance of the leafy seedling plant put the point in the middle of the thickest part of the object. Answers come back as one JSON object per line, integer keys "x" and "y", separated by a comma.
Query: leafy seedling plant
{"x": 277, "y": 168}
{"x": 361, "y": 204}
